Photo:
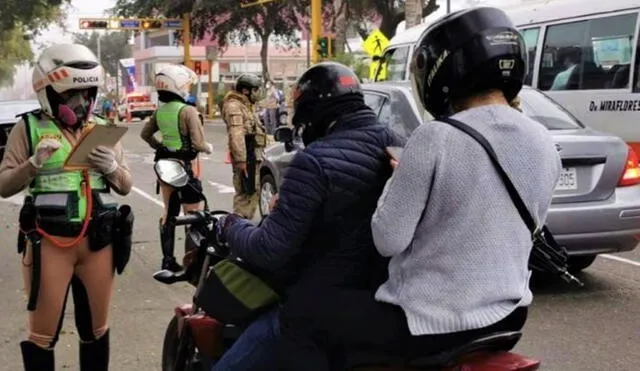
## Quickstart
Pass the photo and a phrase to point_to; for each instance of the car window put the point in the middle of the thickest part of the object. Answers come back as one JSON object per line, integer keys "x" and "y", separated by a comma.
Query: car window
{"x": 394, "y": 64}
{"x": 546, "y": 111}
{"x": 636, "y": 84}
{"x": 385, "y": 113}
{"x": 374, "y": 101}
{"x": 530, "y": 36}
{"x": 590, "y": 54}
{"x": 398, "y": 115}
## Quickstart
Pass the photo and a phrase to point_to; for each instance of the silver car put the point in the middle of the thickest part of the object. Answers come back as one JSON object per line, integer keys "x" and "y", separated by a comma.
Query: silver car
{"x": 596, "y": 206}
{"x": 8, "y": 111}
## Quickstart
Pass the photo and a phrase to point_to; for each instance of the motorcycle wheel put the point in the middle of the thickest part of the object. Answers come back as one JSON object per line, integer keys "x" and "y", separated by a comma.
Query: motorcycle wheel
{"x": 178, "y": 350}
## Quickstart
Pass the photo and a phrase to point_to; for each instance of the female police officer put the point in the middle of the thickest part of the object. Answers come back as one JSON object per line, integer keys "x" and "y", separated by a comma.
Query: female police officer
{"x": 182, "y": 138}
{"x": 62, "y": 251}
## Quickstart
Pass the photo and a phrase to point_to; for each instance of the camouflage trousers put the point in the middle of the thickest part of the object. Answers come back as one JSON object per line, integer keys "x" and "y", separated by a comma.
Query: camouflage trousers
{"x": 245, "y": 204}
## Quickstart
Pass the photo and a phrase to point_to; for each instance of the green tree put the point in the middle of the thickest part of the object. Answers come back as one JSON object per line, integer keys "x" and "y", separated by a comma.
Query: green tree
{"x": 29, "y": 14}
{"x": 113, "y": 47}
{"x": 14, "y": 50}
{"x": 20, "y": 22}
{"x": 358, "y": 64}
{"x": 225, "y": 20}
{"x": 391, "y": 12}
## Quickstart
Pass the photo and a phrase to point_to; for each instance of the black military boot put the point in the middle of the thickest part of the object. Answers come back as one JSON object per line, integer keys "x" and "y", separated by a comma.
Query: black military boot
{"x": 94, "y": 356}
{"x": 167, "y": 243}
{"x": 36, "y": 358}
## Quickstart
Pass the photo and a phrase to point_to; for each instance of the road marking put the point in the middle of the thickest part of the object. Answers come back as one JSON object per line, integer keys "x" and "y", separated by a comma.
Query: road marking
{"x": 221, "y": 188}
{"x": 621, "y": 260}
{"x": 147, "y": 196}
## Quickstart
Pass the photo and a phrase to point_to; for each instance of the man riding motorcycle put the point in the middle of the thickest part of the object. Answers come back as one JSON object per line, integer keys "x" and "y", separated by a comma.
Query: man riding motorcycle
{"x": 70, "y": 227}
{"x": 459, "y": 248}
{"x": 182, "y": 138}
{"x": 318, "y": 233}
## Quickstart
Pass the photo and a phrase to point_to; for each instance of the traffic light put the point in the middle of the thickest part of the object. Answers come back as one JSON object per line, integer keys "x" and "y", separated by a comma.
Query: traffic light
{"x": 332, "y": 47}
{"x": 197, "y": 67}
{"x": 326, "y": 47}
{"x": 323, "y": 47}
{"x": 93, "y": 24}
{"x": 152, "y": 24}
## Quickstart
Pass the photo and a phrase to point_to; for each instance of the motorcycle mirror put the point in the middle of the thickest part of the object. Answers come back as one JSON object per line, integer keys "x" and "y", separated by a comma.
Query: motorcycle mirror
{"x": 283, "y": 134}
{"x": 172, "y": 172}
{"x": 283, "y": 119}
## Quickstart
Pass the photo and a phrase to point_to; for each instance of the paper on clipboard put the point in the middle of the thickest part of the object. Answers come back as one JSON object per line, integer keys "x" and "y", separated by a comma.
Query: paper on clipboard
{"x": 98, "y": 135}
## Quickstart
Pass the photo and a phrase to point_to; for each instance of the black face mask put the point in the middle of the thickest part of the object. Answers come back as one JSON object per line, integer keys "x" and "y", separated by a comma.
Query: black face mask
{"x": 308, "y": 134}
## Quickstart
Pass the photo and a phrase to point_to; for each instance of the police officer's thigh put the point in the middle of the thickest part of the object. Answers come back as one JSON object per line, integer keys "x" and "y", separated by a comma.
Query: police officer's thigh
{"x": 95, "y": 271}
{"x": 166, "y": 191}
{"x": 56, "y": 271}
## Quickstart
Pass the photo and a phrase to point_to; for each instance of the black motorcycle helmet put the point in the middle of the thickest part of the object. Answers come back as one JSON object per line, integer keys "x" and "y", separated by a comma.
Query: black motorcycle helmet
{"x": 248, "y": 81}
{"x": 467, "y": 52}
{"x": 324, "y": 91}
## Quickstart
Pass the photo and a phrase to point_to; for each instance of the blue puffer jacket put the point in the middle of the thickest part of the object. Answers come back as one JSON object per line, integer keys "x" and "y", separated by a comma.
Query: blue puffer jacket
{"x": 321, "y": 224}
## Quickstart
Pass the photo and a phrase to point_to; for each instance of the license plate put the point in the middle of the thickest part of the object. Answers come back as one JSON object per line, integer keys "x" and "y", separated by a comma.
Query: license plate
{"x": 568, "y": 179}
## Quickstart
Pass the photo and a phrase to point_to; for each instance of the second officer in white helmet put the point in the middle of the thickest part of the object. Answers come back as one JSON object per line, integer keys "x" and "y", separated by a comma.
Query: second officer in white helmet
{"x": 182, "y": 139}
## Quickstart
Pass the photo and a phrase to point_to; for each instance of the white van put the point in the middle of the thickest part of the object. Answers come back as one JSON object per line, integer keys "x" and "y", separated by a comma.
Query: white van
{"x": 585, "y": 54}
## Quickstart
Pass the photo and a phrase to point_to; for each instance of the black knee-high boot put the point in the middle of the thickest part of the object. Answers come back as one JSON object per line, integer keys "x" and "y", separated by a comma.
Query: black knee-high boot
{"x": 36, "y": 358}
{"x": 94, "y": 356}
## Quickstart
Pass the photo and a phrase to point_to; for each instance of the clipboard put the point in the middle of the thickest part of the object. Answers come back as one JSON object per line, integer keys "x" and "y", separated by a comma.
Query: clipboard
{"x": 97, "y": 135}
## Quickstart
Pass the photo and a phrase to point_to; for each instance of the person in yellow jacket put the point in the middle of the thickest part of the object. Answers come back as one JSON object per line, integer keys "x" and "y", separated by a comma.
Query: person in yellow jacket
{"x": 71, "y": 228}
{"x": 247, "y": 139}
{"x": 183, "y": 139}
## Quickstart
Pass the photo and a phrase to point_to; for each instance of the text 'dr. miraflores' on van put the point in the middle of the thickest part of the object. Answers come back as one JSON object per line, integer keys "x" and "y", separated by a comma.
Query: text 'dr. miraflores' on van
{"x": 615, "y": 105}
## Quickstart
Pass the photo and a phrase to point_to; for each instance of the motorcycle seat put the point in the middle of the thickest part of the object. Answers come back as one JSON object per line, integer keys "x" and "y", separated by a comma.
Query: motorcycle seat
{"x": 496, "y": 342}
{"x": 499, "y": 341}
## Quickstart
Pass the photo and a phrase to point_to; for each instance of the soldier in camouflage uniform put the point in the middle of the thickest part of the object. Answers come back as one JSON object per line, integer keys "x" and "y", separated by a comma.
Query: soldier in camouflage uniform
{"x": 247, "y": 139}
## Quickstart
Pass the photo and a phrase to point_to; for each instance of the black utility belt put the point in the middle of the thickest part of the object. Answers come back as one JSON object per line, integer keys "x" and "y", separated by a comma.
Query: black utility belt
{"x": 101, "y": 220}
{"x": 184, "y": 155}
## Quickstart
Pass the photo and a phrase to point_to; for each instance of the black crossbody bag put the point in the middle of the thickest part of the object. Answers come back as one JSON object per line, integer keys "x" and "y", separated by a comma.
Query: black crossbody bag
{"x": 546, "y": 255}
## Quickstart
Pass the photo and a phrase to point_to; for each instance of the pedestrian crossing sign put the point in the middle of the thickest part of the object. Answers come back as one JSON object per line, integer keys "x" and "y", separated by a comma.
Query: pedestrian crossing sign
{"x": 375, "y": 43}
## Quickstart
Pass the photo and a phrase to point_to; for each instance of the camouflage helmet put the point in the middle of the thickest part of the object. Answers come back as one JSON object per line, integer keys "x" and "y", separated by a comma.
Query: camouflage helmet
{"x": 248, "y": 81}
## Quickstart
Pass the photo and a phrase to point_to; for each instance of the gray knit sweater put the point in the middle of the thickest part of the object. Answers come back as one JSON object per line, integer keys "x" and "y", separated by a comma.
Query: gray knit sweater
{"x": 458, "y": 246}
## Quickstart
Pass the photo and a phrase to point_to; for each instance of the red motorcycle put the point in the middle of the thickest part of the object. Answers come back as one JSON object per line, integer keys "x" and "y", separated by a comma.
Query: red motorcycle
{"x": 193, "y": 340}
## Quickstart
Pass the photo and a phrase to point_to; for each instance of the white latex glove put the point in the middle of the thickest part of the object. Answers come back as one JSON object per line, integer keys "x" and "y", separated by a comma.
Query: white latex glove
{"x": 103, "y": 159}
{"x": 209, "y": 148}
{"x": 44, "y": 151}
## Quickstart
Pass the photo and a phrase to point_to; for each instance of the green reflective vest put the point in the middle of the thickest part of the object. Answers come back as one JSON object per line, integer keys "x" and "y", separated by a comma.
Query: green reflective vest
{"x": 52, "y": 178}
{"x": 168, "y": 119}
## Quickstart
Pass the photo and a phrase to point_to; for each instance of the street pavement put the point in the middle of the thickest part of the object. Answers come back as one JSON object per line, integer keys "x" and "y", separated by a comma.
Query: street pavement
{"x": 595, "y": 328}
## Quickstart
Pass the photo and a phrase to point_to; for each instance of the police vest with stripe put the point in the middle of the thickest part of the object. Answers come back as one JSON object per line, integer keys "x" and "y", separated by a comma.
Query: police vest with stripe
{"x": 52, "y": 178}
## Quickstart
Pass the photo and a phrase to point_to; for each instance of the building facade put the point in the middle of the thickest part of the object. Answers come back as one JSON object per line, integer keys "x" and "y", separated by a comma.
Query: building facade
{"x": 154, "y": 49}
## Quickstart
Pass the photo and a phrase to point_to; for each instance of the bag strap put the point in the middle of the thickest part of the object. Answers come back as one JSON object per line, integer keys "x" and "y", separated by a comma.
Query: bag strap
{"x": 525, "y": 214}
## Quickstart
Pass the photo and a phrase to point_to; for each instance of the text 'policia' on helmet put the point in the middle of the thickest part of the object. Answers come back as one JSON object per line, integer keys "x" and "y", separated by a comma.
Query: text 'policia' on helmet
{"x": 466, "y": 52}
{"x": 62, "y": 68}
{"x": 248, "y": 81}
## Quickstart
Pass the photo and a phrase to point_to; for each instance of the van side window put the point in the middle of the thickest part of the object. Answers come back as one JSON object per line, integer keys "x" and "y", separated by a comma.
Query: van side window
{"x": 530, "y": 36}
{"x": 591, "y": 54}
{"x": 636, "y": 84}
{"x": 394, "y": 63}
